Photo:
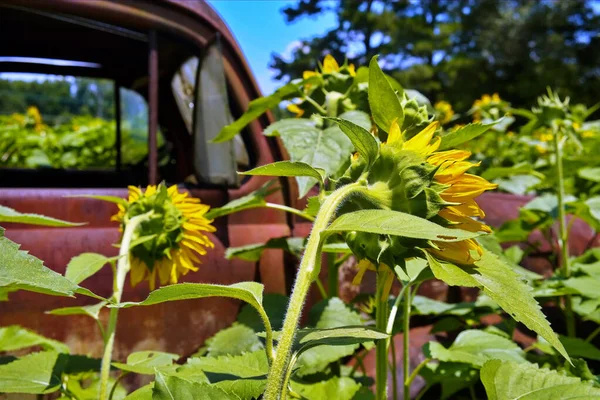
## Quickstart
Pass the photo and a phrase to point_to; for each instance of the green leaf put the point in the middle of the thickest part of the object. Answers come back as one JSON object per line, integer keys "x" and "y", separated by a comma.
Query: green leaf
{"x": 253, "y": 252}
{"x": 257, "y": 107}
{"x": 143, "y": 393}
{"x": 15, "y": 337}
{"x": 247, "y": 365}
{"x": 464, "y": 134}
{"x": 517, "y": 184}
{"x": 383, "y": 100}
{"x": 288, "y": 168}
{"x": 251, "y": 200}
{"x": 506, "y": 380}
{"x": 85, "y": 265}
{"x": 388, "y": 222}
{"x": 327, "y": 149}
{"x": 342, "y": 388}
{"x": 363, "y": 141}
{"x": 146, "y": 362}
{"x": 9, "y": 215}
{"x": 174, "y": 388}
{"x": 502, "y": 172}
{"x": 245, "y": 389}
{"x": 235, "y": 340}
{"x": 250, "y": 292}
{"x": 335, "y": 314}
{"x": 475, "y": 347}
{"x": 338, "y": 336}
{"x": 358, "y": 117}
{"x": 577, "y": 347}
{"x": 110, "y": 199}
{"x": 590, "y": 173}
{"x": 19, "y": 270}
{"x": 32, "y": 373}
{"x": 584, "y": 285}
{"x": 425, "y": 306}
{"x": 451, "y": 376}
{"x": 503, "y": 285}
{"x": 275, "y": 306}
{"x": 415, "y": 270}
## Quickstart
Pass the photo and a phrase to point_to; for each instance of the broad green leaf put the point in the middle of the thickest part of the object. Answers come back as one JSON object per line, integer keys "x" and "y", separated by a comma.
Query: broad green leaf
{"x": 9, "y": 215}
{"x": 590, "y": 173}
{"x": 85, "y": 265}
{"x": 506, "y": 380}
{"x": 383, "y": 100}
{"x": 110, "y": 199}
{"x": 253, "y": 252}
{"x": 252, "y": 200}
{"x": 33, "y": 373}
{"x": 514, "y": 296}
{"x": 388, "y": 222}
{"x": 275, "y": 306}
{"x": 19, "y": 270}
{"x": 503, "y": 172}
{"x": 338, "y": 336}
{"x": 593, "y": 204}
{"x": 174, "y": 388}
{"x": 335, "y": 314}
{"x": 245, "y": 389}
{"x": 425, "y": 306}
{"x": 475, "y": 347}
{"x": 505, "y": 287}
{"x": 327, "y": 149}
{"x": 85, "y": 390}
{"x": 342, "y": 388}
{"x": 363, "y": 140}
{"x": 517, "y": 184}
{"x": 452, "y": 377}
{"x": 358, "y": 117}
{"x": 247, "y": 365}
{"x": 584, "y": 285}
{"x": 143, "y": 393}
{"x": 464, "y": 134}
{"x": 415, "y": 270}
{"x": 250, "y": 292}
{"x": 235, "y": 340}
{"x": 256, "y": 108}
{"x": 288, "y": 168}
{"x": 577, "y": 347}
{"x": 15, "y": 337}
{"x": 290, "y": 126}
{"x": 146, "y": 362}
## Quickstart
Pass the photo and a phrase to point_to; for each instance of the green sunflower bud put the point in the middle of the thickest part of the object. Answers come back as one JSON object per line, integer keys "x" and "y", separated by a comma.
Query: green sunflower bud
{"x": 416, "y": 117}
{"x": 550, "y": 108}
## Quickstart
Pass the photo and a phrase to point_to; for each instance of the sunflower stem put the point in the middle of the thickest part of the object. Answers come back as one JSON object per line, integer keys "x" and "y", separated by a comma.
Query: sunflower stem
{"x": 381, "y": 319}
{"x": 406, "y": 344}
{"x": 307, "y": 272}
{"x": 292, "y": 210}
{"x": 123, "y": 267}
{"x": 563, "y": 239}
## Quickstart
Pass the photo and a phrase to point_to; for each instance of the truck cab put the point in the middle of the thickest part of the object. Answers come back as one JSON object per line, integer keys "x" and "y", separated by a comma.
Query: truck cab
{"x": 161, "y": 79}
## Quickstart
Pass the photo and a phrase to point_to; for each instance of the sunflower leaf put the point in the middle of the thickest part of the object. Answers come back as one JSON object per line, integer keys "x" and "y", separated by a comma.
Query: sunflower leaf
{"x": 85, "y": 265}
{"x": 251, "y": 200}
{"x": 146, "y": 362}
{"x": 464, "y": 134}
{"x": 504, "y": 380}
{"x": 288, "y": 168}
{"x": 15, "y": 337}
{"x": 91, "y": 310}
{"x": 383, "y": 100}
{"x": 33, "y": 373}
{"x": 174, "y": 388}
{"x": 388, "y": 222}
{"x": 342, "y": 388}
{"x": 9, "y": 215}
{"x": 363, "y": 141}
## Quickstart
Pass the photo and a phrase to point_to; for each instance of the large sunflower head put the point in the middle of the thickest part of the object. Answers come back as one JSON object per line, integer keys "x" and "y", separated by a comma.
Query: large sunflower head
{"x": 171, "y": 240}
{"x": 411, "y": 176}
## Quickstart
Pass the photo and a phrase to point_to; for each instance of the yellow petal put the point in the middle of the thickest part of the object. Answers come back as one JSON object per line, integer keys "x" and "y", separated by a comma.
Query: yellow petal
{"x": 363, "y": 266}
{"x": 330, "y": 65}
{"x": 463, "y": 222}
{"x": 451, "y": 170}
{"x": 309, "y": 74}
{"x": 420, "y": 142}
{"x": 394, "y": 136}
{"x": 465, "y": 252}
{"x": 450, "y": 155}
{"x": 294, "y": 109}
{"x": 466, "y": 187}
{"x": 351, "y": 70}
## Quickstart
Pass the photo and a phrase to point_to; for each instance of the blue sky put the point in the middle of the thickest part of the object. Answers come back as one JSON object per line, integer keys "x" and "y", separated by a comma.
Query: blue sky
{"x": 260, "y": 29}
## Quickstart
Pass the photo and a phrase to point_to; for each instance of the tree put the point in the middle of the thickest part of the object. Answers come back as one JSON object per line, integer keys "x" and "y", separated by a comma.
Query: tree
{"x": 459, "y": 49}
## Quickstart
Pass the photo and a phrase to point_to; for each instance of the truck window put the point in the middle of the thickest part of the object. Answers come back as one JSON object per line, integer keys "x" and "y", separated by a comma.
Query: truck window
{"x": 184, "y": 90}
{"x": 55, "y": 124}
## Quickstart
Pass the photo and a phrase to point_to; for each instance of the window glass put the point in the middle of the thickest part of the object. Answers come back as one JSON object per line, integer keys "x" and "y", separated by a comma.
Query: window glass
{"x": 68, "y": 123}
{"x": 184, "y": 86}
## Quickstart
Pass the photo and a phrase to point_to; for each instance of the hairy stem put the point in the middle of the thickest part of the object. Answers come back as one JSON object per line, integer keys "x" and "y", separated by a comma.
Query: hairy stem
{"x": 563, "y": 239}
{"x": 406, "y": 344}
{"x": 292, "y": 210}
{"x": 119, "y": 281}
{"x": 381, "y": 319}
{"x": 308, "y": 270}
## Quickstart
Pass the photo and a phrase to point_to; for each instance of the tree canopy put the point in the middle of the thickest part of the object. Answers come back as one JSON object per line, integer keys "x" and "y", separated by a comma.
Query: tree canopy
{"x": 457, "y": 50}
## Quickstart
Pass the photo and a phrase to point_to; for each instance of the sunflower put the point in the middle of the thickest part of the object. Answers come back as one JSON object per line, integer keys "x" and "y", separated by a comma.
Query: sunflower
{"x": 460, "y": 191}
{"x": 172, "y": 240}
{"x": 330, "y": 66}
{"x": 444, "y": 111}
